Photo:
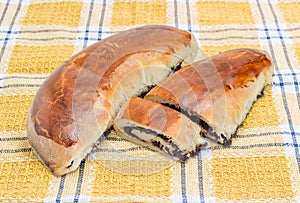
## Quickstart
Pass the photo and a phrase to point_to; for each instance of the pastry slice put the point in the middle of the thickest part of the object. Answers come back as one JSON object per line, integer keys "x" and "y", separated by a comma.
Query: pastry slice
{"x": 217, "y": 92}
{"x": 75, "y": 106}
{"x": 159, "y": 128}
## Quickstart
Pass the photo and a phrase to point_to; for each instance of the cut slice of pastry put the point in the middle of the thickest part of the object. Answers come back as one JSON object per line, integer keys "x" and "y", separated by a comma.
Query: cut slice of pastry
{"x": 159, "y": 128}
{"x": 76, "y": 104}
{"x": 217, "y": 92}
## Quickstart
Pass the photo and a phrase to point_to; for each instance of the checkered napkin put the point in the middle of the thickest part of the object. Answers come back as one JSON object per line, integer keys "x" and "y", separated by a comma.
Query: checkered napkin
{"x": 263, "y": 162}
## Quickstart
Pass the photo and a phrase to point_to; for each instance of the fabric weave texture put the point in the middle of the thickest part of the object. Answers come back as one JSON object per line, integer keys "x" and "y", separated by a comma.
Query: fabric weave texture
{"x": 261, "y": 165}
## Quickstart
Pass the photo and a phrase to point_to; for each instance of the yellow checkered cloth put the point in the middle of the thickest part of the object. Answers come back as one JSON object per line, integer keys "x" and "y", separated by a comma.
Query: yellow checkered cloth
{"x": 261, "y": 165}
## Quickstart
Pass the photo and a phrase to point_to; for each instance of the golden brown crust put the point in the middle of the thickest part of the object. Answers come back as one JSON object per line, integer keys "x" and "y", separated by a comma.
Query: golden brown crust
{"x": 92, "y": 80}
{"x": 218, "y": 89}
{"x": 151, "y": 114}
{"x": 58, "y": 121}
{"x": 235, "y": 68}
{"x": 51, "y": 111}
{"x": 159, "y": 127}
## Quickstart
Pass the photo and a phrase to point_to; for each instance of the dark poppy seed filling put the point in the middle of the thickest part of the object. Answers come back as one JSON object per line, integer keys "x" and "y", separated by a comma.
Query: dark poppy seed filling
{"x": 177, "y": 66}
{"x": 146, "y": 90}
{"x": 206, "y": 131}
{"x": 261, "y": 94}
{"x": 71, "y": 164}
{"x": 172, "y": 149}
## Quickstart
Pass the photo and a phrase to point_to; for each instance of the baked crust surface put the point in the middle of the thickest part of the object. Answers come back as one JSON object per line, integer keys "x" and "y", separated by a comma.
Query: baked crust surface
{"x": 159, "y": 127}
{"x": 78, "y": 101}
{"x": 219, "y": 90}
